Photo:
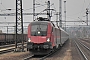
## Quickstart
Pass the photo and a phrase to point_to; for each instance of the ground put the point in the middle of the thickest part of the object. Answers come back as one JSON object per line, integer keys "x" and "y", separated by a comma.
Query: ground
{"x": 65, "y": 53}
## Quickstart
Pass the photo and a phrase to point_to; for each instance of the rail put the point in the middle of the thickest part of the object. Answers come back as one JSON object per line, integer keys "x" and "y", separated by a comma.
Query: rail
{"x": 8, "y": 48}
{"x": 84, "y": 56}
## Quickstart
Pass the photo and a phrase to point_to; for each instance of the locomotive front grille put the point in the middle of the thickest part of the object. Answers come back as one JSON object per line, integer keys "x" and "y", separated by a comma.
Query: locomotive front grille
{"x": 38, "y": 46}
{"x": 35, "y": 46}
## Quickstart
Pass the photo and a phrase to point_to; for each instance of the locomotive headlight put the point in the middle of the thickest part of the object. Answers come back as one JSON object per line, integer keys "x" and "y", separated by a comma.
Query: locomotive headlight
{"x": 48, "y": 39}
{"x": 29, "y": 40}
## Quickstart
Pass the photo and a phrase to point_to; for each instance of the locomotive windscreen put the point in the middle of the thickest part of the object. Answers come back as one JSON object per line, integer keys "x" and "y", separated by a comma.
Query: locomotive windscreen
{"x": 38, "y": 29}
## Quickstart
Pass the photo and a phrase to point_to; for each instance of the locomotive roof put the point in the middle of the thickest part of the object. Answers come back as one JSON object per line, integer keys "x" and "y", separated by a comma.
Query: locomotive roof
{"x": 43, "y": 22}
{"x": 40, "y": 22}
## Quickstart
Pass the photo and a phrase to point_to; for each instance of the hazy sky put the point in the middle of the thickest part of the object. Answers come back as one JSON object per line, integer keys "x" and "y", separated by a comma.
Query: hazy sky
{"x": 74, "y": 9}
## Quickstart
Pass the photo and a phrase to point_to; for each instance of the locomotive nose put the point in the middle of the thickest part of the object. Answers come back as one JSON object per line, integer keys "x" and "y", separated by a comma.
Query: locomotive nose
{"x": 41, "y": 39}
{"x": 38, "y": 39}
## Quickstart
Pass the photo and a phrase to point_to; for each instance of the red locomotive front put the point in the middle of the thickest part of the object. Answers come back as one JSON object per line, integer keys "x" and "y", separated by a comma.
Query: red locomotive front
{"x": 39, "y": 37}
{"x": 44, "y": 37}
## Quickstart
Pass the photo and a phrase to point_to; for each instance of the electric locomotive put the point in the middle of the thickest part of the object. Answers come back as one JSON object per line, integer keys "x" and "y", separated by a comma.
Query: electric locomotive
{"x": 44, "y": 37}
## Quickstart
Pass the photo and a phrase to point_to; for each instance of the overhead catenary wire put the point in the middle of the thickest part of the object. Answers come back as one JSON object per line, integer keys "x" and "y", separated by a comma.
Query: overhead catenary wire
{"x": 84, "y": 13}
{"x": 83, "y": 6}
{"x": 35, "y": 7}
{"x": 5, "y": 9}
{"x": 38, "y": 3}
{"x": 1, "y": 5}
{"x": 88, "y": 4}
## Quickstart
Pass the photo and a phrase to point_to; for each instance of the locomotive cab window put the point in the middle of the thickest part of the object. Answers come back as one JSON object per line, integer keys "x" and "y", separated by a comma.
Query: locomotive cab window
{"x": 39, "y": 29}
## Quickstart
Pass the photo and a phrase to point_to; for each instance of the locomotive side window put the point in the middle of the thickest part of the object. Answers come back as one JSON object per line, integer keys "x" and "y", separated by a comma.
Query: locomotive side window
{"x": 52, "y": 29}
{"x": 38, "y": 29}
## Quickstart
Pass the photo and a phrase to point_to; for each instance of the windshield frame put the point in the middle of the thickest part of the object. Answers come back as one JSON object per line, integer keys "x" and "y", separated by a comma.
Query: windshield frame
{"x": 39, "y": 31}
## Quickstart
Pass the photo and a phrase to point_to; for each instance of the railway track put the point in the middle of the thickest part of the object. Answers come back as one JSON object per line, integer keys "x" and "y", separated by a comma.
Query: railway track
{"x": 8, "y": 48}
{"x": 86, "y": 40}
{"x": 85, "y": 46}
{"x": 84, "y": 43}
{"x": 83, "y": 49}
{"x": 10, "y": 45}
{"x": 6, "y": 51}
{"x": 33, "y": 57}
{"x": 29, "y": 57}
